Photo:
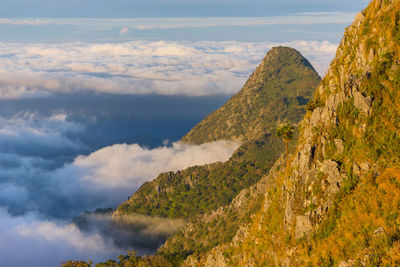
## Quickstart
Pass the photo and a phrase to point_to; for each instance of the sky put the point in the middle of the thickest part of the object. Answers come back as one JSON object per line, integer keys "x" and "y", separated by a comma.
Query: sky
{"x": 95, "y": 95}
{"x": 170, "y": 8}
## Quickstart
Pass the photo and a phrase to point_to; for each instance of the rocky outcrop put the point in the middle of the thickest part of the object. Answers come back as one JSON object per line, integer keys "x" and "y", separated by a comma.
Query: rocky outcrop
{"x": 338, "y": 152}
{"x": 303, "y": 226}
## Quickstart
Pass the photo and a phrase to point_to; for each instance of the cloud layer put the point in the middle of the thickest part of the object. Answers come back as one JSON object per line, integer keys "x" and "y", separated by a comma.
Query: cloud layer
{"x": 29, "y": 241}
{"x": 32, "y": 178}
{"x": 139, "y": 67}
{"x": 40, "y": 193}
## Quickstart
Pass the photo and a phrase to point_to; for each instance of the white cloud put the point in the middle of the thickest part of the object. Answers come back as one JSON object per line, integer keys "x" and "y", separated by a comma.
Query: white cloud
{"x": 130, "y": 166}
{"x": 25, "y": 133}
{"x": 30, "y": 241}
{"x": 309, "y": 18}
{"x": 63, "y": 234}
{"x": 140, "y": 67}
{"x": 304, "y": 18}
{"x": 31, "y": 22}
{"x": 32, "y": 149}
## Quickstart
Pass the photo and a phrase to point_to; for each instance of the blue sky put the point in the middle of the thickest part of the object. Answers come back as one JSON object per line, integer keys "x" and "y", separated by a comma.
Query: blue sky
{"x": 170, "y": 8}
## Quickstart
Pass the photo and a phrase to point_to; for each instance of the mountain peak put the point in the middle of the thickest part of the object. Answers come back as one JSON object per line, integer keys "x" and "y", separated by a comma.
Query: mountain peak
{"x": 285, "y": 80}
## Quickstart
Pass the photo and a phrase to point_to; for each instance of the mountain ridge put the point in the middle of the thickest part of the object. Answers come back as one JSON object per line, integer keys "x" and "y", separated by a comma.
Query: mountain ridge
{"x": 181, "y": 194}
{"x": 281, "y": 80}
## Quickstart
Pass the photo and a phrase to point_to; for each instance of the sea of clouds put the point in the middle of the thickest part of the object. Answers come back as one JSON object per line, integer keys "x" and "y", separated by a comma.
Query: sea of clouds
{"x": 39, "y": 196}
{"x": 139, "y": 67}
{"x": 46, "y": 179}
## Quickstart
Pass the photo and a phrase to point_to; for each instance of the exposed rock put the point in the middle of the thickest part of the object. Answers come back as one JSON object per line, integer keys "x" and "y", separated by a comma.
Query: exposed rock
{"x": 365, "y": 166}
{"x": 363, "y": 103}
{"x": 303, "y": 226}
{"x": 305, "y": 158}
{"x": 330, "y": 168}
{"x": 217, "y": 260}
{"x": 339, "y": 145}
{"x": 289, "y": 213}
{"x": 316, "y": 116}
{"x": 334, "y": 100}
{"x": 356, "y": 169}
{"x": 379, "y": 232}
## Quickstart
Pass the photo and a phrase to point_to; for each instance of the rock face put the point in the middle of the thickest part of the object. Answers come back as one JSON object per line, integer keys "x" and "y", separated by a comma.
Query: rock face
{"x": 335, "y": 203}
{"x": 303, "y": 226}
{"x": 277, "y": 91}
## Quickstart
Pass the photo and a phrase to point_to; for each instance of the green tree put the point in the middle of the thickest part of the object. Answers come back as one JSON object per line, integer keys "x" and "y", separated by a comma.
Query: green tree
{"x": 286, "y": 131}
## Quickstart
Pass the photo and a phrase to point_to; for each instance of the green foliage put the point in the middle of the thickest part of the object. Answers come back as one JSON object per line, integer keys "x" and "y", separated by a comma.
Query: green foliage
{"x": 200, "y": 189}
{"x": 313, "y": 104}
{"x": 277, "y": 91}
{"x": 285, "y": 131}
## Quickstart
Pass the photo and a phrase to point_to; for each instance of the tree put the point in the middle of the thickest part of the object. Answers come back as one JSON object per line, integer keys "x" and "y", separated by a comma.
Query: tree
{"x": 286, "y": 131}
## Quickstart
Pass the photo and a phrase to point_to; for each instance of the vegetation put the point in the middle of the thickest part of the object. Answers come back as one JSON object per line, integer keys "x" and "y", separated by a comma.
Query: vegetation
{"x": 129, "y": 260}
{"x": 286, "y": 131}
{"x": 277, "y": 91}
{"x": 200, "y": 189}
{"x": 285, "y": 80}
{"x": 350, "y": 211}
{"x": 361, "y": 224}
{"x": 357, "y": 221}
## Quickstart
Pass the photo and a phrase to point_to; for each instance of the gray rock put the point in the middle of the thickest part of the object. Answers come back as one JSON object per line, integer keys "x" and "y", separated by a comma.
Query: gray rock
{"x": 356, "y": 169}
{"x": 365, "y": 166}
{"x": 330, "y": 168}
{"x": 316, "y": 116}
{"x": 334, "y": 100}
{"x": 217, "y": 260}
{"x": 289, "y": 214}
{"x": 305, "y": 158}
{"x": 364, "y": 103}
{"x": 303, "y": 226}
{"x": 339, "y": 145}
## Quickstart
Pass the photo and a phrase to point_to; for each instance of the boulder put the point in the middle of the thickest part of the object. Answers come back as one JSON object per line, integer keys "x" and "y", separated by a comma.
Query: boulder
{"x": 364, "y": 103}
{"x": 330, "y": 168}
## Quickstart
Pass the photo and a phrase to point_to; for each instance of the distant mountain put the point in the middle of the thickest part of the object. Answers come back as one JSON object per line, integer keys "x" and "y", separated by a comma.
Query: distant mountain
{"x": 276, "y": 92}
{"x": 279, "y": 88}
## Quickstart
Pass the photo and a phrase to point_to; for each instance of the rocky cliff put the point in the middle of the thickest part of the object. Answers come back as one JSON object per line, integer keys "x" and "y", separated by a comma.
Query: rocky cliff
{"x": 337, "y": 204}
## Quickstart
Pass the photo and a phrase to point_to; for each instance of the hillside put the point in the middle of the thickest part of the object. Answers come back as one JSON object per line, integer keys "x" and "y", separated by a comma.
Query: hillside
{"x": 199, "y": 189}
{"x": 338, "y": 202}
{"x": 277, "y": 91}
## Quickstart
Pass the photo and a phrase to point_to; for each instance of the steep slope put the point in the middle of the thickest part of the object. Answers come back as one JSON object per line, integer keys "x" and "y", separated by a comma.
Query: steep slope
{"x": 284, "y": 76}
{"x": 277, "y": 91}
{"x": 209, "y": 189}
{"x": 338, "y": 202}
{"x": 198, "y": 189}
